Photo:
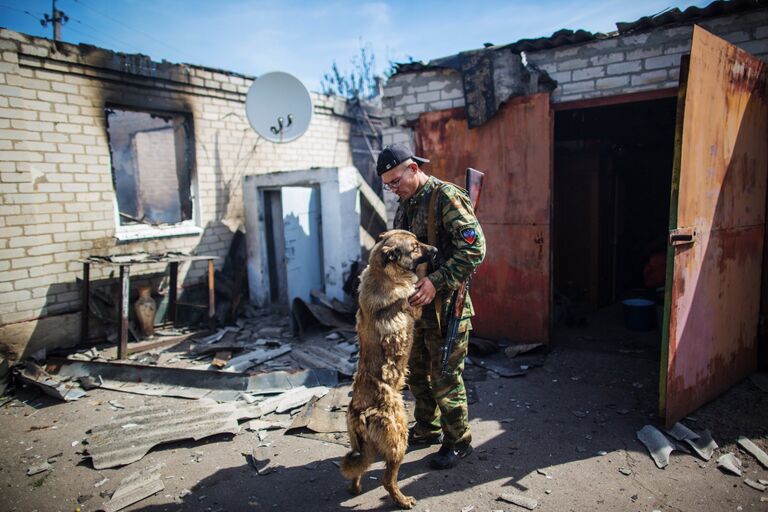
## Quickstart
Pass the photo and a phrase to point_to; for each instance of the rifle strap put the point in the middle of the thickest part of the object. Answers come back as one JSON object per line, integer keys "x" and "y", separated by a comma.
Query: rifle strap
{"x": 432, "y": 240}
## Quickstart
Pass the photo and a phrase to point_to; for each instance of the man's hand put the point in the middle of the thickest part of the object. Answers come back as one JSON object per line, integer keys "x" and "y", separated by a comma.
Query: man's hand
{"x": 425, "y": 293}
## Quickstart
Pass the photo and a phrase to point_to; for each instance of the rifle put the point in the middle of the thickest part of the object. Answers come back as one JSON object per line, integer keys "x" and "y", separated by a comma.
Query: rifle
{"x": 474, "y": 187}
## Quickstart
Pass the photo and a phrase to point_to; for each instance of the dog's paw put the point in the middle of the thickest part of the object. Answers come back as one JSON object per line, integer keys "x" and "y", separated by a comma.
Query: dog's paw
{"x": 355, "y": 488}
{"x": 407, "y": 502}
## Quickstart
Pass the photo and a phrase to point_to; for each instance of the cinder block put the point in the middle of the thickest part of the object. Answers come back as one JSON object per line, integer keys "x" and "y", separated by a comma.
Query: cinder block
{"x": 611, "y": 82}
{"x": 663, "y": 61}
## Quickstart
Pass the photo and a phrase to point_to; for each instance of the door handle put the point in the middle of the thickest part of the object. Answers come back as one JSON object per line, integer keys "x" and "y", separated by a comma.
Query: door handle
{"x": 682, "y": 236}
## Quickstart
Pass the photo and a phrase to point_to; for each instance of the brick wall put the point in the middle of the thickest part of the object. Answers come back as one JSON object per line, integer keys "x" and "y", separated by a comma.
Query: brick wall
{"x": 57, "y": 203}
{"x": 618, "y": 65}
{"x": 609, "y": 67}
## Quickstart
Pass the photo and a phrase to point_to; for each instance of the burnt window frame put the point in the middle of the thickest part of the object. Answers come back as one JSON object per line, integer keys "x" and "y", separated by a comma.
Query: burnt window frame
{"x": 138, "y": 230}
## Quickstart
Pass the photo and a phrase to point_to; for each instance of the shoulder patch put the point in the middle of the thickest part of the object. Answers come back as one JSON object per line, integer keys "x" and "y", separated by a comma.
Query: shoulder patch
{"x": 469, "y": 235}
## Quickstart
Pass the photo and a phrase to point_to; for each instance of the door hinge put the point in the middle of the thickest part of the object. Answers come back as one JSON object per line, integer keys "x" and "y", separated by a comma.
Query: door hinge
{"x": 682, "y": 236}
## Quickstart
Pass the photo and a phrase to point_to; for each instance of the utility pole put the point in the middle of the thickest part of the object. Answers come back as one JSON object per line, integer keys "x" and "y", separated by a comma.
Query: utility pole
{"x": 56, "y": 20}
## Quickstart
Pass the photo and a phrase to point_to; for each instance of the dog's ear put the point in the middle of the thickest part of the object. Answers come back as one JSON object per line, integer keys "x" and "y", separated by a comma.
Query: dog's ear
{"x": 390, "y": 254}
{"x": 383, "y": 235}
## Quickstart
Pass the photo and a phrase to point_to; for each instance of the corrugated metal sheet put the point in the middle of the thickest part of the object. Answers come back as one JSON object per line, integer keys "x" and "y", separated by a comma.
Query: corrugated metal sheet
{"x": 188, "y": 383}
{"x": 511, "y": 292}
{"x": 131, "y": 435}
{"x": 711, "y": 341}
{"x": 690, "y": 15}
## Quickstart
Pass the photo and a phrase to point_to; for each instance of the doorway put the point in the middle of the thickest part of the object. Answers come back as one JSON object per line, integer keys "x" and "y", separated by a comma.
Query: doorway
{"x": 292, "y": 221}
{"x": 611, "y": 196}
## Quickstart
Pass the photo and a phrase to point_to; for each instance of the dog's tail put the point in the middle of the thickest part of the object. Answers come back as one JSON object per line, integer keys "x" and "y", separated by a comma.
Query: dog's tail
{"x": 359, "y": 458}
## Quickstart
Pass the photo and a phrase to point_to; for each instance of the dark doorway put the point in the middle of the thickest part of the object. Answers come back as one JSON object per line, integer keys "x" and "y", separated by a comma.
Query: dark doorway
{"x": 612, "y": 175}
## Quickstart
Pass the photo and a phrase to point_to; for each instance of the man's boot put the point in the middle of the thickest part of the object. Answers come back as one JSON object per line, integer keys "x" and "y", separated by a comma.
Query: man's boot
{"x": 447, "y": 457}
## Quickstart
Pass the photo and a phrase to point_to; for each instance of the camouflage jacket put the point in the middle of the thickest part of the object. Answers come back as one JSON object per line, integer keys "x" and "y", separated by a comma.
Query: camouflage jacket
{"x": 460, "y": 241}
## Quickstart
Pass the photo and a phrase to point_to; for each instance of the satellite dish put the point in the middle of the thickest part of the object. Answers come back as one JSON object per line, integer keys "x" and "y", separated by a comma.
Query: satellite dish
{"x": 278, "y": 107}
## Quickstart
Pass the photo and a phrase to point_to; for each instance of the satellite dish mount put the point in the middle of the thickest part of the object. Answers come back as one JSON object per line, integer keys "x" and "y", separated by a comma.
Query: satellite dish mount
{"x": 279, "y": 107}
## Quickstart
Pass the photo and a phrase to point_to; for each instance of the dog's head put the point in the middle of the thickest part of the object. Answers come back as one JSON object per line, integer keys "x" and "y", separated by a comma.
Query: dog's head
{"x": 400, "y": 250}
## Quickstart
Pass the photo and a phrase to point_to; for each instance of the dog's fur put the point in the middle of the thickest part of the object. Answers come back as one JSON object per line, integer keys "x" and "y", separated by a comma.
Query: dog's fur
{"x": 376, "y": 418}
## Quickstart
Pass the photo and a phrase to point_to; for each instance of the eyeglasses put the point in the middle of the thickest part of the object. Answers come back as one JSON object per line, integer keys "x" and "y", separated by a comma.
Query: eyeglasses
{"x": 394, "y": 184}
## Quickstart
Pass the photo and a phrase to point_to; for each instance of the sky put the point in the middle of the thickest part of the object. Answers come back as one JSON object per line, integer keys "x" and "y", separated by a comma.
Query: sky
{"x": 305, "y": 38}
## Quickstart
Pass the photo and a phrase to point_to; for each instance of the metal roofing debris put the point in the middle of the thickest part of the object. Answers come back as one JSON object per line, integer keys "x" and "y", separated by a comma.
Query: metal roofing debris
{"x": 326, "y": 414}
{"x": 313, "y": 356}
{"x": 55, "y": 386}
{"x": 702, "y": 443}
{"x": 134, "y": 488}
{"x": 130, "y": 436}
{"x": 658, "y": 446}
{"x": 753, "y": 450}
{"x": 730, "y": 464}
{"x": 245, "y": 361}
{"x": 187, "y": 383}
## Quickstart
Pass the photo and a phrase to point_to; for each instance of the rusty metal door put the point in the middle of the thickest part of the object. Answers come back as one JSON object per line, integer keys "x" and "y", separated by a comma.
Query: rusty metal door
{"x": 511, "y": 292}
{"x": 717, "y": 226}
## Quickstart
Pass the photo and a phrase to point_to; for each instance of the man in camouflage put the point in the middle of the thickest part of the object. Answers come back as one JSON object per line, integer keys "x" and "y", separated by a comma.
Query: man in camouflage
{"x": 442, "y": 415}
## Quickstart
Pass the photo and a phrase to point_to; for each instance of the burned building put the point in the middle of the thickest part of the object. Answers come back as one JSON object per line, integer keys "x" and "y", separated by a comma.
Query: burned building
{"x": 106, "y": 154}
{"x": 620, "y": 166}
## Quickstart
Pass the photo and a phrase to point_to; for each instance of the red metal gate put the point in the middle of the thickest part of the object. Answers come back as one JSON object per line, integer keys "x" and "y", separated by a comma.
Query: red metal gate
{"x": 511, "y": 292}
{"x": 717, "y": 226}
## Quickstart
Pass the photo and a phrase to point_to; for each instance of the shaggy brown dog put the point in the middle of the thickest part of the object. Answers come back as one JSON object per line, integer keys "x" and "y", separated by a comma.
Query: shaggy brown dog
{"x": 376, "y": 417}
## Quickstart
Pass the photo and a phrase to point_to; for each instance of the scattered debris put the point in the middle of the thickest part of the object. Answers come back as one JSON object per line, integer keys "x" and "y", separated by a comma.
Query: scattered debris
{"x": 259, "y": 459}
{"x": 221, "y": 358}
{"x": 63, "y": 389}
{"x": 256, "y": 357}
{"x": 482, "y": 346}
{"x": 658, "y": 446}
{"x": 730, "y": 464}
{"x": 113, "y": 444}
{"x": 754, "y": 450}
{"x": 307, "y": 317}
{"x": 134, "y": 488}
{"x": 544, "y": 474}
{"x": 101, "y": 482}
{"x": 520, "y": 501}
{"x": 702, "y": 443}
{"x": 755, "y": 485}
{"x": 312, "y": 356}
{"x": 116, "y": 404}
{"x": 501, "y": 370}
{"x": 43, "y": 466}
{"x": 625, "y": 471}
{"x": 326, "y": 414}
{"x": 522, "y": 348}
{"x": 188, "y": 383}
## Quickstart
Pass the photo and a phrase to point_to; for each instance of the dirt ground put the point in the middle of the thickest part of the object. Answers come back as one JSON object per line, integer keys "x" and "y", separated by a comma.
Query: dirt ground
{"x": 559, "y": 435}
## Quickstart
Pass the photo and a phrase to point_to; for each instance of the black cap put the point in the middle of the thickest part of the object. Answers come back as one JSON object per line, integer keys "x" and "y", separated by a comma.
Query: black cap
{"x": 393, "y": 155}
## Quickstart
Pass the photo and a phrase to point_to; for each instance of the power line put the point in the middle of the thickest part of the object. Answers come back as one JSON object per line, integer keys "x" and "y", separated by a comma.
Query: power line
{"x": 133, "y": 29}
{"x": 95, "y": 30}
{"x": 36, "y": 17}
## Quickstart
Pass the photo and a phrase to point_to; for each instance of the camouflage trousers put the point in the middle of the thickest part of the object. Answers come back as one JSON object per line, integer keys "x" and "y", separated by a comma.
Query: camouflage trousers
{"x": 441, "y": 400}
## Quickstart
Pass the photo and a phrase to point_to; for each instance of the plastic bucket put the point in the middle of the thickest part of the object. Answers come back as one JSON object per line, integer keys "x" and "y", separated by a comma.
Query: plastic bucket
{"x": 639, "y": 314}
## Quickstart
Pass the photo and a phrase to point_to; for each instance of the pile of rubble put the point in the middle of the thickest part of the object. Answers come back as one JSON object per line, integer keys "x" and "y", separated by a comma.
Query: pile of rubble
{"x": 254, "y": 375}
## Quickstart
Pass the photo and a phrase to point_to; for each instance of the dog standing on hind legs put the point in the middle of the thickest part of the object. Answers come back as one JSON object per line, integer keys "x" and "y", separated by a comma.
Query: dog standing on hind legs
{"x": 376, "y": 418}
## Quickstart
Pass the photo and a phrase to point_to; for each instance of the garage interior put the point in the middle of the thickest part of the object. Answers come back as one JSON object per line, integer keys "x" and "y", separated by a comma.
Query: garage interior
{"x": 611, "y": 196}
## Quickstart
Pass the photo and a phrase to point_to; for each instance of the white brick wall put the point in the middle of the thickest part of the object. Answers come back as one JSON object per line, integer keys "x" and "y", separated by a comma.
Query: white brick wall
{"x": 56, "y": 194}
